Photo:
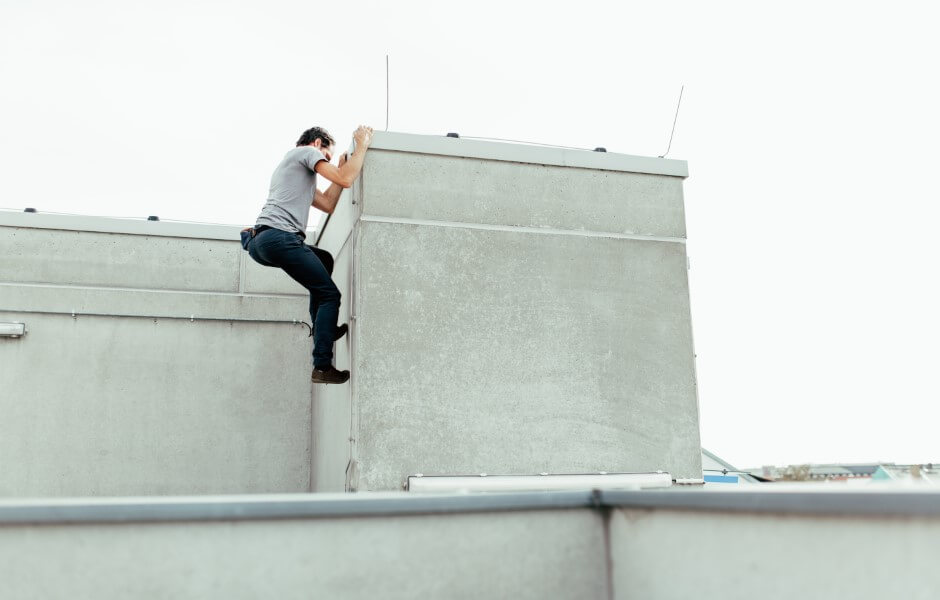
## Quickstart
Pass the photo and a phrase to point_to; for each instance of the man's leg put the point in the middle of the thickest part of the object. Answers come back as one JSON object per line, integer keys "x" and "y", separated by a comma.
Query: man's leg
{"x": 287, "y": 251}
{"x": 327, "y": 259}
{"x": 303, "y": 265}
{"x": 314, "y": 309}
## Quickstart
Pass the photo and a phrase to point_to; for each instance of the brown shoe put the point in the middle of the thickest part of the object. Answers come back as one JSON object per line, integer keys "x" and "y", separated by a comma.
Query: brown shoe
{"x": 341, "y": 331}
{"x": 329, "y": 374}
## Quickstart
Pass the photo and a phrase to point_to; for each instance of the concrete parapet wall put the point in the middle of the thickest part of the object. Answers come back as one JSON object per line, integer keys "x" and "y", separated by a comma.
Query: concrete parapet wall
{"x": 500, "y": 352}
{"x": 512, "y": 310}
{"x": 673, "y": 544}
{"x": 747, "y": 556}
{"x": 180, "y": 371}
{"x": 76, "y": 257}
{"x": 515, "y": 311}
{"x": 331, "y": 468}
{"x": 530, "y": 554}
{"x": 467, "y": 190}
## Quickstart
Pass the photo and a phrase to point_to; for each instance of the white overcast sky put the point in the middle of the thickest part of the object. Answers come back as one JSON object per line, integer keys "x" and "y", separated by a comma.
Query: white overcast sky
{"x": 810, "y": 129}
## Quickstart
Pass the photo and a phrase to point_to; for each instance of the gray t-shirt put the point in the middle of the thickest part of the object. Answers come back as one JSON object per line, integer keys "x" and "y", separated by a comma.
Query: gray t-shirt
{"x": 292, "y": 188}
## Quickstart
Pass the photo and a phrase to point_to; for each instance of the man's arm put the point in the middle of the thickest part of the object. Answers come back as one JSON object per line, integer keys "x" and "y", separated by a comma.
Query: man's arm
{"x": 326, "y": 201}
{"x": 346, "y": 174}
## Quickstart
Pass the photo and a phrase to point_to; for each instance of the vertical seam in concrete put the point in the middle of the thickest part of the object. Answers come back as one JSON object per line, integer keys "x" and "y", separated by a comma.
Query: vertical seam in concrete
{"x": 605, "y": 514}
{"x": 358, "y": 192}
{"x": 352, "y": 479}
{"x": 685, "y": 227}
{"x": 354, "y": 248}
{"x": 698, "y": 409}
{"x": 311, "y": 453}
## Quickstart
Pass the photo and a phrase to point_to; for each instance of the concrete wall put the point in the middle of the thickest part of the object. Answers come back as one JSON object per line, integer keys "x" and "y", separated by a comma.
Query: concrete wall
{"x": 131, "y": 397}
{"x": 521, "y": 194}
{"x": 512, "y": 310}
{"x": 745, "y": 556}
{"x": 775, "y": 541}
{"x": 516, "y": 313}
{"x": 332, "y": 469}
{"x": 471, "y": 556}
{"x": 674, "y": 544}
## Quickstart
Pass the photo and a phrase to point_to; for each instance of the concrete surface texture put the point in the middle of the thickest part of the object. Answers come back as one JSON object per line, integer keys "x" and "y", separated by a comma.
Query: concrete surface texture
{"x": 513, "y": 311}
{"x": 445, "y": 556}
{"x": 449, "y": 188}
{"x": 571, "y": 545}
{"x": 514, "y": 317}
{"x": 747, "y": 556}
{"x": 332, "y": 404}
{"x": 130, "y": 396}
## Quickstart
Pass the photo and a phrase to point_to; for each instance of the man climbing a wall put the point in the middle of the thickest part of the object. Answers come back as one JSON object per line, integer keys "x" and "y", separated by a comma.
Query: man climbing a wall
{"x": 277, "y": 239}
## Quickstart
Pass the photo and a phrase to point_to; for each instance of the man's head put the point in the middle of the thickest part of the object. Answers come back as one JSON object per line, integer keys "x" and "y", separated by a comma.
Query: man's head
{"x": 318, "y": 138}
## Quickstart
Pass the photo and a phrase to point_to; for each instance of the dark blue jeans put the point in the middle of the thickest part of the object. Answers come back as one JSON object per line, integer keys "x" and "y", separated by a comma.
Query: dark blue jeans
{"x": 276, "y": 248}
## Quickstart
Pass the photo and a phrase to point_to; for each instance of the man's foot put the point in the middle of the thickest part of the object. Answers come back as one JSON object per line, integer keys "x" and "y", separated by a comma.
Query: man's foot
{"x": 329, "y": 374}
{"x": 341, "y": 331}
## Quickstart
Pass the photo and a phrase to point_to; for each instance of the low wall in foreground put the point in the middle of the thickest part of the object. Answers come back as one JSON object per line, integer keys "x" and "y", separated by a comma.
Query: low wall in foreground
{"x": 654, "y": 545}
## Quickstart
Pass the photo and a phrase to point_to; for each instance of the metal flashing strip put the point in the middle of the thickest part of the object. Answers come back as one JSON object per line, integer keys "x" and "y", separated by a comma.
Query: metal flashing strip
{"x": 780, "y": 500}
{"x": 524, "y": 153}
{"x": 191, "y": 318}
{"x": 204, "y": 231}
{"x": 521, "y": 229}
{"x": 886, "y": 503}
{"x": 292, "y": 506}
{"x": 541, "y": 482}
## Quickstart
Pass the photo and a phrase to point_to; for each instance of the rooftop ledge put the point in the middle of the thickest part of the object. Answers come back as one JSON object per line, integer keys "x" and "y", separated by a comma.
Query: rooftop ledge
{"x": 383, "y": 140}
{"x": 525, "y": 153}
{"x": 128, "y": 226}
{"x": 778, "y": 499}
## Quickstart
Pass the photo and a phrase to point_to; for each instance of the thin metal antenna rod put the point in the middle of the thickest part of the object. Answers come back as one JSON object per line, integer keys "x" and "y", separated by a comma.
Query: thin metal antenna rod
{"x": 386, "y": 92}
{"x": 663, "y": 155}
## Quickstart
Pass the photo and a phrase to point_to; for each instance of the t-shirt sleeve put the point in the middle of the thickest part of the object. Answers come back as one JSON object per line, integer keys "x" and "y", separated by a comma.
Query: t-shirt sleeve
{"x": 311, "y": 157}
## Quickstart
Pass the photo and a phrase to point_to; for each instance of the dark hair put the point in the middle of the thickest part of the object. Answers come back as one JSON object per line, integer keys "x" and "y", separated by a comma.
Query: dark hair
{"x": 311, "y": 135}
